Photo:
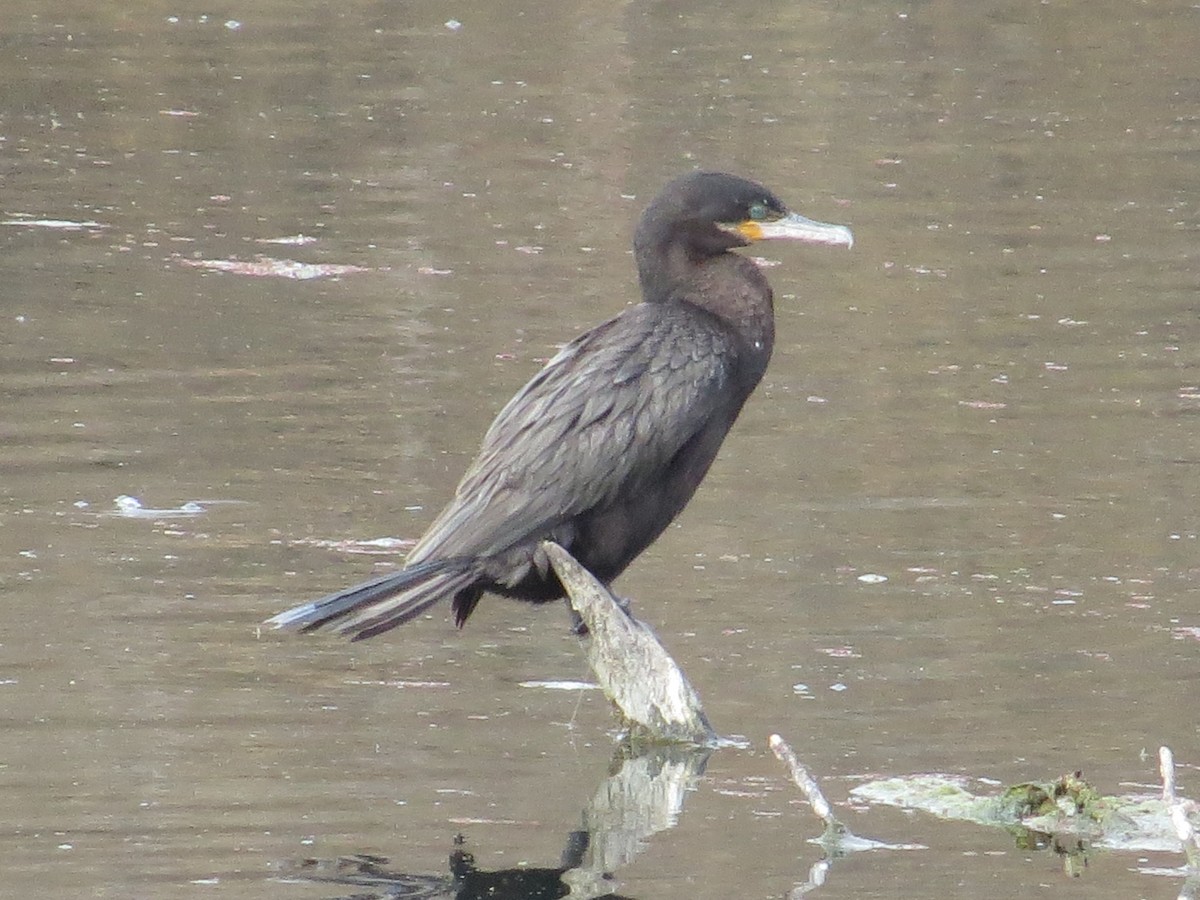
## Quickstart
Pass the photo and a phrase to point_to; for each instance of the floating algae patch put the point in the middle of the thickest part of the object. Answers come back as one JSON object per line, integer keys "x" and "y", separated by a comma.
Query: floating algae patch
{"x": 945, "y": 796}
{"x": 1067, "y": 806}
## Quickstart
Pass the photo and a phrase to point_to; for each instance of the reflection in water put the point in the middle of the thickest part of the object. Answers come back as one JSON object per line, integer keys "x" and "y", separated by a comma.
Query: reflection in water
{"x": 465, "y": 882}
{"x": 643, "y": 796}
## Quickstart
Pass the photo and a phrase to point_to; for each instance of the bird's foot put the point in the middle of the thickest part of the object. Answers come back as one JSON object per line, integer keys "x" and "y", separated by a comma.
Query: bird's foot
{"x": 579, "y": 627}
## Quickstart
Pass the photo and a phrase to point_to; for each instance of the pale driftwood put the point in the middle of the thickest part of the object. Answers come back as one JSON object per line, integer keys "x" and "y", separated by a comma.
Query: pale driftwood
{"x": 837, "y": 839}
{"x": 633, "y": 669}
{"x": 1184, "y": 813}
{"x": 805, "y": 781}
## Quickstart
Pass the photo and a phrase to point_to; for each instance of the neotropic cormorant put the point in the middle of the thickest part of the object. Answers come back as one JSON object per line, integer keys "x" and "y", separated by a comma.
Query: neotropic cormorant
{"x": 606, "y": 444}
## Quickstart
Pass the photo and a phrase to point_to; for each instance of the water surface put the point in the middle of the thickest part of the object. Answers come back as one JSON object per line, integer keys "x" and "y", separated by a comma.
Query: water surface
{"x": 991, "y": 402}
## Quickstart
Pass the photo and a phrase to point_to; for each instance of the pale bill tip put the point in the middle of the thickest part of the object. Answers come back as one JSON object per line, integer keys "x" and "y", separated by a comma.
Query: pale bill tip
{"x": 799, "y": 228}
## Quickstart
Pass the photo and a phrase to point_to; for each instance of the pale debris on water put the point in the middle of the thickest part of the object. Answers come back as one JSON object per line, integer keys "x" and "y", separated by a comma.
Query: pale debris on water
{"x": 291, "y": 240}
{"x": 131, "y": 507}
{"x": 982, "y": 404}
{"x": 396, "y": 683}
{"x": 561, "y": 685}
{"x": 267, "y": 267}
{"x": 55, "y": 224}
{"x": 359, "y": 545}
{"x": 843, "y": 652}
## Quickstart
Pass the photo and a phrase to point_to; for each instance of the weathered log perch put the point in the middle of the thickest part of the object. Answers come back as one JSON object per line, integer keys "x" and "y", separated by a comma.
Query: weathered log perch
{"x": 633, "y": 669}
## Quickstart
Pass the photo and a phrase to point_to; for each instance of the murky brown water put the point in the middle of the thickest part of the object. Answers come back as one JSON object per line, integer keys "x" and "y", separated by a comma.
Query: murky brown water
{"x": 992, "y": 401}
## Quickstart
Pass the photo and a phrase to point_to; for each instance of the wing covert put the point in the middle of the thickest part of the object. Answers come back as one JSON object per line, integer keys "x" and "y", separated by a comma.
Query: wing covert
{"x": 610, "y": 409}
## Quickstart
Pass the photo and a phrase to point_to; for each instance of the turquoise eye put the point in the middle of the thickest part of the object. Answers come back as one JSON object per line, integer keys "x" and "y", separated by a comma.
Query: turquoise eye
{"x": 759, "y": 211}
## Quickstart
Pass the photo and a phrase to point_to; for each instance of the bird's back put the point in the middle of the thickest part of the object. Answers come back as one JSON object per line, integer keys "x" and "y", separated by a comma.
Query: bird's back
{"x": 599, "y": 451}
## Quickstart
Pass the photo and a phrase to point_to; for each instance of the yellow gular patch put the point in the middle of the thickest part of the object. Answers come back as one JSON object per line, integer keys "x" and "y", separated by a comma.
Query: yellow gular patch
{"x": 750, "y": 230}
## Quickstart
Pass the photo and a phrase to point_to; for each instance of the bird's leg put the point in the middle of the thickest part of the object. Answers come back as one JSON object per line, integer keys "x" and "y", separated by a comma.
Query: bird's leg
{"x": 579, "y": 627}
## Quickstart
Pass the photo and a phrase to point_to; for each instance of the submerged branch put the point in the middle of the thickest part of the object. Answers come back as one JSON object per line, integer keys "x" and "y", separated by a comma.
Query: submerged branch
{"x": 805, "y": 781}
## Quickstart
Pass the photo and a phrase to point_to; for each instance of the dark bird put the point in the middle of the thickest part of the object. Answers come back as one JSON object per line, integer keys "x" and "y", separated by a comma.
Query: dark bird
{"x": 606, "y": 444}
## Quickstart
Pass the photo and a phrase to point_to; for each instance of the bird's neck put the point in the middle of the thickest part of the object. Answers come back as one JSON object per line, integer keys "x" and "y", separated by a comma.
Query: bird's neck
{"x": 662, "y": 270}
{"x": 726, "y": 285}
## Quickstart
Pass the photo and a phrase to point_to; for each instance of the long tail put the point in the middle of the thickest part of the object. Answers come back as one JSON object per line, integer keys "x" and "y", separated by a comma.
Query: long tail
{"x": 375, "y": 606}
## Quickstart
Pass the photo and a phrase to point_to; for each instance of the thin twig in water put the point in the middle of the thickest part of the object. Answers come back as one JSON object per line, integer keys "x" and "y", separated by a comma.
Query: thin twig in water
{"x": 1166, "y": 767}
{"x": 1181, "y": 810}
{"x": 805, "y": 781}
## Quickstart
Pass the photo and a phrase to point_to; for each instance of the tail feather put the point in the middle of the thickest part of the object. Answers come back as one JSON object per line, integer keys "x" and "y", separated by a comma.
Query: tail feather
{"x": 382, "y": 603}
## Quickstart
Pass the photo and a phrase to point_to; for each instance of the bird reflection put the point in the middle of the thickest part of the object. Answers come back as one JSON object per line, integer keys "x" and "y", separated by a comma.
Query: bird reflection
{"x": 643, "y": 796}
